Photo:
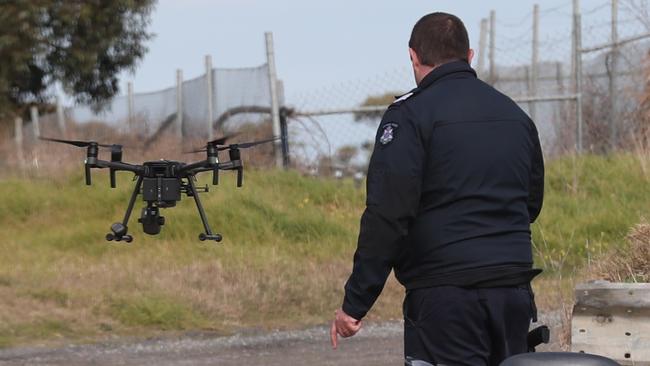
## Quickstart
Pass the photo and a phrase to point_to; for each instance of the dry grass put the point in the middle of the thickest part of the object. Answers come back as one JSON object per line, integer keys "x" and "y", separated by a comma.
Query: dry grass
{"x": 629, "y": 263}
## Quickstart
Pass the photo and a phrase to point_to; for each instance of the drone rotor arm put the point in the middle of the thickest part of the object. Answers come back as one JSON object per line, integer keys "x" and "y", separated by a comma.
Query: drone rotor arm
{"x": 119, "y": 166}
{"x": 198, "y": 167}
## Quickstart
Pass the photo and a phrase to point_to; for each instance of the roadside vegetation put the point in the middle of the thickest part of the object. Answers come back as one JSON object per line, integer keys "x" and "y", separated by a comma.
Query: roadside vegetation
{"x": 287, "y": 250}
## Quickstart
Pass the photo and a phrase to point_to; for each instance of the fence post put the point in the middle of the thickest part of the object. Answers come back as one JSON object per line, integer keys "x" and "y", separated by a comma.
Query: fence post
{"x": 60, "y": 117}
{"x": 613, "y": 79}
{"x": 209, "y": 91}
{"x": 491, "y": 56}
{"x": 534, "y": 61}
{"x": 18, "y": 136}
{"x": 179, "y": 103}
{"x": 577, "y": 36}
{"x": 482, "y": 48}
{"x": 284, "y": 134}
{"x": 130, "y": 106}
{"x": 275, "y": 107}
{"x": 559, "y": 80}
{"x": 33, "y": 112}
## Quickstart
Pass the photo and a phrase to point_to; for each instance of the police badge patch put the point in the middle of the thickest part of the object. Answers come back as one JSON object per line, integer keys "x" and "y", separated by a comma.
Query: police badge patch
{"x": 388, "y": 134}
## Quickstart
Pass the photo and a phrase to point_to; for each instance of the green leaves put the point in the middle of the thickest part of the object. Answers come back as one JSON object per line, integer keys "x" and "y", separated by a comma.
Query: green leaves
{"x": 83, "y": 45}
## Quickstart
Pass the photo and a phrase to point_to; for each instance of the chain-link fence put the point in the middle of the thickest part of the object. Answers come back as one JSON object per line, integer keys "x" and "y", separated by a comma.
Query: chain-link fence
{"x": 579, "y": 71}
{"x": 574, "y": 69}
{"x": 222, "y": 100}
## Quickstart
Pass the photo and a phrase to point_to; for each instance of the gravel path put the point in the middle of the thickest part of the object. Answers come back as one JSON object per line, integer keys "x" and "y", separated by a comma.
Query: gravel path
{"x": 376, "y": 344}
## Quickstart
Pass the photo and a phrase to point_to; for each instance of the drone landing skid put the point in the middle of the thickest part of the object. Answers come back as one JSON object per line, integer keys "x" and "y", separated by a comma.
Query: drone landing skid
{"x": 151, "y": 220}
{"x": 208, "y": 232}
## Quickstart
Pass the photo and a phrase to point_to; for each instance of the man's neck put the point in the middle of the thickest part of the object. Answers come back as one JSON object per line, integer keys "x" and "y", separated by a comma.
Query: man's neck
{"x": 423, "y": 72}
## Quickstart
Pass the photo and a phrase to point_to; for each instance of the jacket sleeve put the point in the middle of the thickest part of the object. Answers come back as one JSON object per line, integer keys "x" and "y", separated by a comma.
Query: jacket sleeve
{"x": 393, "y": 195}
{"x": 536, "y": 188}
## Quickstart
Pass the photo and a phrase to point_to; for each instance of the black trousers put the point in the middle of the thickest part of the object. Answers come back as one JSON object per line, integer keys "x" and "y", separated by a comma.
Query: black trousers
{"x": 450, "y": 325}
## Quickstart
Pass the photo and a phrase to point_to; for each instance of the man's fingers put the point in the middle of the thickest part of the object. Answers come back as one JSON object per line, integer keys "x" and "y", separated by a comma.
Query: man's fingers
{"x": 333, "y": 335}
{"x": 356, "y": 326}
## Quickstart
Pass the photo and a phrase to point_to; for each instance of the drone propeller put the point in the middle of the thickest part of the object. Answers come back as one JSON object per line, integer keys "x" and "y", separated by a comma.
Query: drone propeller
{"x": 79, "y": 143}
{"x": 222, "y": 140}
{"x": 116, "y": 155}
{"x": 246, "y": 145}
{"x": 216, "y": 142}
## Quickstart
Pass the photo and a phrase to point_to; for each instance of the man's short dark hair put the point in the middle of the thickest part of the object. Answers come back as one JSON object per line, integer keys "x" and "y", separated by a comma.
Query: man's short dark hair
{"x": 438, "y": 38}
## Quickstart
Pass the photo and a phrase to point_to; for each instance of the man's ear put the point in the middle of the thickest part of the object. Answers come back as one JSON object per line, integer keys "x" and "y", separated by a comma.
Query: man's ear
{"x": 414, "y": 57}
{"x": 470, "y": 56}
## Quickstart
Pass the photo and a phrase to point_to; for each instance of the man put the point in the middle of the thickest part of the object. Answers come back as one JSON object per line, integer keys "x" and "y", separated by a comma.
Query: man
{"x": 455, "y": 179}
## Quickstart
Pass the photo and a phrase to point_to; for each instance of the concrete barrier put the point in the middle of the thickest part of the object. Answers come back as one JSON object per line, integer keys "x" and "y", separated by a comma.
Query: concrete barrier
{"x": 612, "y": 320}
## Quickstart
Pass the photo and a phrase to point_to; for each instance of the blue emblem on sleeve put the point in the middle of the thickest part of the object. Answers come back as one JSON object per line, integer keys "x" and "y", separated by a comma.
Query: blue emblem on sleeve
{"x": 388, "y": 133}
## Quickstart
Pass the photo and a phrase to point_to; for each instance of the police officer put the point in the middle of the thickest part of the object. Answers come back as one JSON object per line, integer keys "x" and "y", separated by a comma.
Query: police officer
{"x": 454, "y": 181}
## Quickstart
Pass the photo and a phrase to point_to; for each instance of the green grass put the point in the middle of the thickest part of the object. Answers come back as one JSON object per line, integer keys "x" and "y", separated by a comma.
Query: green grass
{"x": 287, "y": 250}
{"x": 590, "y": 205}
{"x": 154, "y": 311}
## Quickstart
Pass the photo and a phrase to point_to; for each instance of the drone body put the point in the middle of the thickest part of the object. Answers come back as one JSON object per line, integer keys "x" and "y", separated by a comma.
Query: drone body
{"x": 163, "y": 182}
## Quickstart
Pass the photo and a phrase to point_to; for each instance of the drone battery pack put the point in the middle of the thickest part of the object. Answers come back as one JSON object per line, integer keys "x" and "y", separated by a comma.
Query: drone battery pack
{"x": 161, "y": 189}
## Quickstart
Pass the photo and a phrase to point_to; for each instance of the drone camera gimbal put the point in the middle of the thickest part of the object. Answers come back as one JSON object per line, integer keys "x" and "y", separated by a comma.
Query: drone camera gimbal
{"x": 163, "y": 182}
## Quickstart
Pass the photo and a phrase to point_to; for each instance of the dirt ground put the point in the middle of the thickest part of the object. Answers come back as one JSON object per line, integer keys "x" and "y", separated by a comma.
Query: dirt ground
{"x": 376, "y": 344}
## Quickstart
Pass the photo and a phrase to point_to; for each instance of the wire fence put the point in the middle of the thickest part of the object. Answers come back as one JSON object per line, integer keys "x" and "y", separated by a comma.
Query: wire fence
{"x": 574, "y": 69}
{"x": 579, "y": 71}
{"x": 221, "y": 101}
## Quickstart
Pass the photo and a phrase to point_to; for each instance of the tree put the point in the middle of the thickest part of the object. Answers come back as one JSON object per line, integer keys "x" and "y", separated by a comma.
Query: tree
{"x": 81, "y": 44}
{"x": 345, "y": 154}
{"x": 382, "y": 100}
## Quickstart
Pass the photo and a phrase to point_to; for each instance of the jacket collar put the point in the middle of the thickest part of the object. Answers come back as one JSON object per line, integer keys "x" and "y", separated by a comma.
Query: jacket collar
{"x": 445, "y": 70}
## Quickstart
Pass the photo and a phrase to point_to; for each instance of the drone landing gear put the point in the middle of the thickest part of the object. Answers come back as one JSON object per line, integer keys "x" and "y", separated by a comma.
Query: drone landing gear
{"x": 208, "y": 235}
{"x": 119, "y": 233}
{"x": 126, "y": 238}
{"x": 215, "y": 237}
{"x": 119, "y": 229}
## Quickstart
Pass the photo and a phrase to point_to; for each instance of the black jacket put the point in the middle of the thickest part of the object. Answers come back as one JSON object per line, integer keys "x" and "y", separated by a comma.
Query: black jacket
{"x": 455, "y": 179}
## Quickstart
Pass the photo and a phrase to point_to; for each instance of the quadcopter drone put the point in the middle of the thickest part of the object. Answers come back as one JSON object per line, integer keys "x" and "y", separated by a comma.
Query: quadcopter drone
{"x": 162, "y": 182}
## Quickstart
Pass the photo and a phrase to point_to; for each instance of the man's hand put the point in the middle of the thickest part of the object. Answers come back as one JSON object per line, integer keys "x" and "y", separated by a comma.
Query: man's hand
{"x": 343, "y": 325}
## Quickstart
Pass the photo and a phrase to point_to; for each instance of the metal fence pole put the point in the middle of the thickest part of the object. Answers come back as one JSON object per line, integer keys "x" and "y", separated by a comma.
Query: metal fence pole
{"x": 534, "y": 61}
{"x": 529, "y": 86}
{"x": 275, "y": 107}
{"x": 179, "y": 103}
{"x": 577, "y": 34}
{"x": 18, "y": 138}
{"x": 482, "y": 47}
{"x": 493, "y": 76}
{"x": 33, "y": 112}
{"x": 559, "y": 80}
{"x": 130, "y": 106}
{"x": 613, "y": 79}
{"x": 284, "y": 133}
{"x": 209, "y": 91}
{"x": 60, "y": 117}
{"x": 284, "y": 127}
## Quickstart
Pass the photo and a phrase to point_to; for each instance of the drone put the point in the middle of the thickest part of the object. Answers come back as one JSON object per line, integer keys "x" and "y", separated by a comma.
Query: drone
{"x": 163, "y": 182}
